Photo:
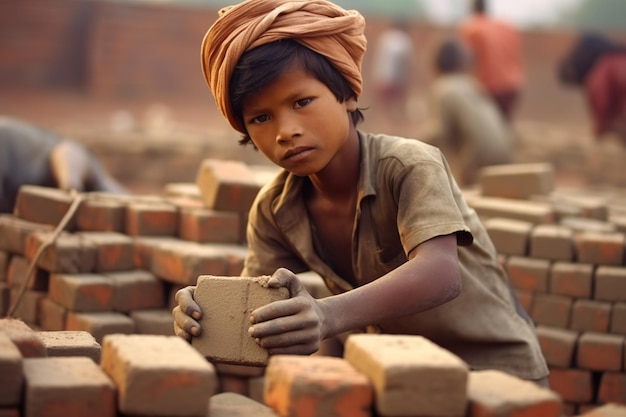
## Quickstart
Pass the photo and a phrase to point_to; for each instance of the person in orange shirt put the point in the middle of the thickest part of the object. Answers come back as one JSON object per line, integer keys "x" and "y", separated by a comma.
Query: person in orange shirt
{"x": 496, "y": 48}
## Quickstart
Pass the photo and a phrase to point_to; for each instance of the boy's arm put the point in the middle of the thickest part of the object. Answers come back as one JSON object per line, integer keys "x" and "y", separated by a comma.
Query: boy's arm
{"x": 429, "y": 278}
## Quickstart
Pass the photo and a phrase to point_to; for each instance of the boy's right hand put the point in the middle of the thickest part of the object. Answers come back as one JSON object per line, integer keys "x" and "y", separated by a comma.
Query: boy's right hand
{"x": 186, "y": 314}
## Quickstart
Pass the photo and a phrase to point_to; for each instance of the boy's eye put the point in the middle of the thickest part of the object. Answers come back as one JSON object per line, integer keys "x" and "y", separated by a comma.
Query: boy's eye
{"x": 302, "y": 102}
{"x": 260, "y": 119}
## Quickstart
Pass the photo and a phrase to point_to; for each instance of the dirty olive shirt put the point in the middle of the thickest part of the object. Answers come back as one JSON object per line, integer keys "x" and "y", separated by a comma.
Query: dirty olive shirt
{"x": 407, "y": 195}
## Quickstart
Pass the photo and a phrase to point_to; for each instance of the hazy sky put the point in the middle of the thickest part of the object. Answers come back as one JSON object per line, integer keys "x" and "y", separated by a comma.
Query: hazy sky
{"x": 518, "y": 12}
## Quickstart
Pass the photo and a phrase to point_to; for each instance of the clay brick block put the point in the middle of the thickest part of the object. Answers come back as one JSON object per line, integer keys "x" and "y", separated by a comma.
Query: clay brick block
{"x": 51, "y": 315}
{"x": 67, "y": 387}
{"x": 612, "y": 388}
{"x": 158, "y": 375}
{"x": 557, "y": 345}
{"x": 114, "y": 251}
{"x": 67, "y": 254}
{"x": 209, "y": 226}
{"x": 226, "y": 304}
{"x": 600, "y": 248}
{"x": 227, "y": 185}
{"x": 151, "y": 219}
{"x": 70, "y": 343}
{"x": 493, "y": 393}
{"x": 158, "y": 321}
{"x": 184, "y": 262}
{"x": 104, "y": 215}
{"x": 527, "y": 211}
{"x": 82, "y": 292}
{"x": 408, "y": 372}
{"x": 618, "y": 319}
{"x": 144, "y": 246}
{"x": 528, "y": 274}
{"x": 587, "y": 206}
{"x": 136, "y": 290}
{"x": 552, "y": 310}
{"x": 239, "y": 370}
{"x": 182, "y": 189}
{"x": 25, "y": 338}
{"x": 44, "y": 205}
{"x": 583, "y": 225}
{"x": 571, "y": 279}
{"x": 11, "y": 373}
{"x": 29, "y": 305}
{"x": 573, "y": 385}
{"x": 600, "y": 352}
{"x": 591, "y": 316}
{"x": 554, "y": 242}
{"x": 315, "y": 386}
{"x": 610, "y": 283}
{"x": 518, "y": 181}
{"x": 606, "y": 410}
{"x": 14, "y": 231}
{"x": 509, "y": 236}
{"x": 17, "y": 275}
{"x": 100, "y": 324}
{"x": 229, "y": 404}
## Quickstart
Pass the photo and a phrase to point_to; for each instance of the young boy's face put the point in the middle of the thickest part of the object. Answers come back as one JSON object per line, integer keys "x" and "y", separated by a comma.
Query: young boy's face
{"x": 297, "y": 122}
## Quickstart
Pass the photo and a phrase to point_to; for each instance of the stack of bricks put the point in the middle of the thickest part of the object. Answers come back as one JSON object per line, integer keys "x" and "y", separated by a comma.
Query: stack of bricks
{"x": 564, "y": 251}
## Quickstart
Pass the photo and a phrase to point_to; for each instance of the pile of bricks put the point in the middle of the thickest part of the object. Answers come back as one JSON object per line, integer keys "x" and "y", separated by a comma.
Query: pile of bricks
{"x": 95, "y": 314}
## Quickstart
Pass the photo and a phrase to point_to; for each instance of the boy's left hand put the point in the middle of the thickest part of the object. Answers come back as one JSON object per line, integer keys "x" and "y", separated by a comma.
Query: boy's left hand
{"x": 294, "y": 326}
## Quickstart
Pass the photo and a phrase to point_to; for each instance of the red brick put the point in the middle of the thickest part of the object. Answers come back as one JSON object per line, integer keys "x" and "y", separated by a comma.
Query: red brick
{"x": 151, "y": 219}
{"x": 509, "y": 236}
{"x": 600, "y": 248}
{"x": 28, "y": 307}
{"x": 573, "y": 385}
{"x": 552, "y": 310}
{"x": 591, "y": 316}
{"x": 227, "y": 185}
{"x": 100, "y": 324}
{"x": 144, "y": 246}
{"x": 612, "y": 388}
{"x": 517, "y": 181}
{"x": 14, "y": 231}
{"x": 550, "y": 241}
{"x": 618, "y": 319}
{"x": 524, "y": 210}
{"x": 557, "y": 345}
{"x": 136, "y": 290}
{"x": 209, "y": 226}
{"x": 114, "y": 251}
{"x": 311, "y": 386}
{"x": 571, "y": 279}
{"x": 184, "y": 262}
{"x": 25, "y": 338}
{"x": 51, "y": 315}
{"x": 67, "y": 254}
{"x": 154, "y": 321}
{"x": 82, "y": 292}
{"x": 528, "y": 274}
{"x": 11, "y": 374}
{"x": 610, "y": 283}
{"x": 105, "y": 215}
{"x": 17, "y": 275}
{"x": 600, "y": 352}
{"x": 70, "y": 343}
{"x": 44, "y": 205}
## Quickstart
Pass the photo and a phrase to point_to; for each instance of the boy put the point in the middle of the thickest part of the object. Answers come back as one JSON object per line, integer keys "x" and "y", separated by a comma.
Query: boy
{"x": 379, "y": 218}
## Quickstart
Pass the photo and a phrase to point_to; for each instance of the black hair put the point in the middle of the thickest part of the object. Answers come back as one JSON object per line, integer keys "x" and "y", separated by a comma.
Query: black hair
{"x": 260, "y": 66}
{"x": 479, "y": 6}
{"x": 451, "y": 56}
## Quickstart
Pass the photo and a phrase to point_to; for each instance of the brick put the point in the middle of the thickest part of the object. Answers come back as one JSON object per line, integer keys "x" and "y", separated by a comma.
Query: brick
{"x": 517, "y": 181}
{"x": 551, "y": 310}
{"x": 588, "y": 206}
{"x": 610, "y": 283}
{"x": 407, "y": 373}
{"x": 67, "y": 254}
{"x": 182, "y": 189}
{"x": 136, "y": 290}
{"x": 618, "y": 319}
{"x": 571, "y": 279}
{"x": 573, "y": 385}
{"x": 144, "y": 247}
{"x": 104, "y": 215}
{"x": 156, "y": 321}
{"x": 600, "y": 352}
{"x": 17, "y": 275}
{"x": 612, "y": 388}
{"x": 229, "y": 404}
{"x": 316, "y": 386}
{"x": 5, "y": 298}
{"x": 151, "y": 219}
{"x": 158, "y": 375}
{"x": 28, "y": 306}
{"x": 509, "y": 236}
{"x": 528, "y": 274}
{"x": 11, "y": 374}
{"x": 582, "y": 224}
{"x": 557, "y": 345}
{"x": 5, "y": 259}
{"x": 209, "y": 226}
{"x": 14, "y": 231}
{"x": 70, "y": 343}
{"x": 44, "y": 205}
{"x": 226, "y": 185}
{"x": 51, "y": 315}
{"x": 100, "y": 324}
{"x": 493, "y": 393}
{"x": 183, "y": 262}
{"x": 528, "y": 211}
{"x": 606, "y": 410}
{"x": 25, "y": 338}
{"x": 553, "y": 242}
{"x": 114, "y": 251}
{"x": 591, "y": 316}
{"x": 600, "y": 248}
{"x": 233, "y": 383}
{"x": 226, "y": 303}
{"x": 67, "y": 387}
{"x": 239, "y": 370}
{"x": 82, "y": 292}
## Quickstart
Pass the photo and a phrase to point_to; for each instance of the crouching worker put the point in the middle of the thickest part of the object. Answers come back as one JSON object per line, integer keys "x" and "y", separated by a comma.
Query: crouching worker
{"x": 380, "y": 218}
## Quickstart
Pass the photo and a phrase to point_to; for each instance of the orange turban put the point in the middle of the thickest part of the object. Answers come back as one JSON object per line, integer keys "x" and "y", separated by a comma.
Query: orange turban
{"x": 319, "y": 25}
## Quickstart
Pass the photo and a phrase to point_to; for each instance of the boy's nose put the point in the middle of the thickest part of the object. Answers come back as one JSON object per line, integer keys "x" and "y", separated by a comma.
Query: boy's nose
{"x": 288, "y": 129}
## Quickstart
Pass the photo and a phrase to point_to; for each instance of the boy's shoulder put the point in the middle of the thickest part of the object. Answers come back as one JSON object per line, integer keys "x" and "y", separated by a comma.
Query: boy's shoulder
{"x": 378, "y": 146}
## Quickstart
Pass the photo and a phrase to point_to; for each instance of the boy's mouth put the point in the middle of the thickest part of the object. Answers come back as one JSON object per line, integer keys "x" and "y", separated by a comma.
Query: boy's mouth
{"x": 299, "y": 152}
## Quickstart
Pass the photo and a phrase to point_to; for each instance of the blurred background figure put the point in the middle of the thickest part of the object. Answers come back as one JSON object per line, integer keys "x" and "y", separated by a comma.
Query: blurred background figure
{"x": 392, "y": 72}
{"x": 32, "y": 155}
{"x": 598, "y": 65}
{"x": 464, "y": 123}
{"x": 496, "y": 48}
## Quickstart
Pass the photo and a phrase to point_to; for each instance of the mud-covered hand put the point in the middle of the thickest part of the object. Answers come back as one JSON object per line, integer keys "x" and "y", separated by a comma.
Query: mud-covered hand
{"x": 293, "y": 326}
{"x": 186, "y": 314}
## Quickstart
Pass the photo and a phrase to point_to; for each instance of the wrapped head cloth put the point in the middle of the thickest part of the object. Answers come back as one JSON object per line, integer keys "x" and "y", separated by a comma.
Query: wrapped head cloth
{"x": 319, "y": 25}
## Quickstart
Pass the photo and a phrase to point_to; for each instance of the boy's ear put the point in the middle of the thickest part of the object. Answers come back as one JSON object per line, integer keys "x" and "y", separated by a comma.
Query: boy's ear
{"x": 351, "y": 104}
